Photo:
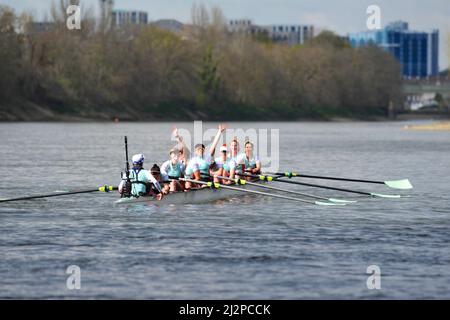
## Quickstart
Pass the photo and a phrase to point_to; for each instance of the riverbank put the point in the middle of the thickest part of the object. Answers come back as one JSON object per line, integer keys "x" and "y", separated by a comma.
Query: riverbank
{"x": 435, "y": 126}
{"x": 27, "y": 111}
{"x": 31, "y": 112}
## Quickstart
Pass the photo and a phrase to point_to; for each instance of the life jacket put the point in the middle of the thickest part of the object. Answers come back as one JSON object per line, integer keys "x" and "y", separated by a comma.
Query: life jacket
{"x": 135, "y": 180}
{"x": 174, "y": 171}
{"x": 250, "y": 163}
{"x": 224, "y": 164}
{"x": 203, "y": 167}
{"x": 238, "y": 167}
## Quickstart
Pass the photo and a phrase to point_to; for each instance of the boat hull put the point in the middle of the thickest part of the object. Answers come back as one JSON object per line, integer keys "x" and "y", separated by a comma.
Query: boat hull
{"x": 193, "y": 196}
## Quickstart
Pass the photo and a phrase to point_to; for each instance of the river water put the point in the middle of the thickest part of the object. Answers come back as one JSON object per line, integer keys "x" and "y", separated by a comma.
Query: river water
{"x": 248, "y": 247}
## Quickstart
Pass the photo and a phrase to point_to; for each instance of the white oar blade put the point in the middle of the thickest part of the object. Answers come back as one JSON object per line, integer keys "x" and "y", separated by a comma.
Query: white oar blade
{"x": 399, "y": 184}
{"x": 341, "y": 201}
{"x": 391, "y": 196}
{"x": 320, "y": 203}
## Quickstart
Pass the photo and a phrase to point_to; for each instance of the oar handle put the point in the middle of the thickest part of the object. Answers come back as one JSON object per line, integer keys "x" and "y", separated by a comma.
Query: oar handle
{"x": 235, "y": 180}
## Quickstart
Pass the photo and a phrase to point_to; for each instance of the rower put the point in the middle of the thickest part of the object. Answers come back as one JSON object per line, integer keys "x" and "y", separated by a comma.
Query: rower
{"x": 217, "y": 165}
{"x": 173, "y": 169}
{"x": 223, "y": 165}
{"x": 199, "y": 166}
{"x": 235, "y": 160}
{"x": 142, "y": 181}
{"x": 163, "y": 185}
{"x": 252, "y": 164}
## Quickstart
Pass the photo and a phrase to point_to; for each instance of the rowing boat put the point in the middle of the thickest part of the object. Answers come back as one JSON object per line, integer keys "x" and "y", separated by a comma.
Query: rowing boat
{"x": 195, "y": 195}
{"x": 216, "y": 191}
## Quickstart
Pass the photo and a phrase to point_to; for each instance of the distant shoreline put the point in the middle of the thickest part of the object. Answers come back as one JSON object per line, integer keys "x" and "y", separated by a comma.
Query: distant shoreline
{"x": 30, "y": 112}
{"x": 311, "y": 120}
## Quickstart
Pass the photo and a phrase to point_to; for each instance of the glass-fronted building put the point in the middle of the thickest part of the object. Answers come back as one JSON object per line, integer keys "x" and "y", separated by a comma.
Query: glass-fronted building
{"x": 417, "y": 52}
{"x": 290, "y": 34}
{"x": 123, "y": 17}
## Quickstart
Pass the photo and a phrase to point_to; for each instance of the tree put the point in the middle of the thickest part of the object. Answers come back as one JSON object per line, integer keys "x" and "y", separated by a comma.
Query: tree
{"x": 209, "y": 79}
{"x": 329, "y": 38}
{"x": 10, "y": 54}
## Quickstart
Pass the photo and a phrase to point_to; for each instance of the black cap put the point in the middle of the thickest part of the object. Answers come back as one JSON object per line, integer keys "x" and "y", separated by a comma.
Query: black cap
{"x": 155, "y": 169}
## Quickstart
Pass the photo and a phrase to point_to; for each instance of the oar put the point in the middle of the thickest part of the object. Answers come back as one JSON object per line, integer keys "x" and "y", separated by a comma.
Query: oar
{"x": 100, "y": 189}
{"x": 395, "y": 184}
{"x": 372, "y": 194}
{"x": 241, "y": 182}
{"x": 218, "y": 185}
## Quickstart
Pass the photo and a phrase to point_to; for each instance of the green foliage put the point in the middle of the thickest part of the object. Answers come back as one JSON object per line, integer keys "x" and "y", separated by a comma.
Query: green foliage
{"x": 10, "y": 53}
{"x": 328, "y": 38}
{"x": 262, "y": 37}
{"x": 209, "y": 79}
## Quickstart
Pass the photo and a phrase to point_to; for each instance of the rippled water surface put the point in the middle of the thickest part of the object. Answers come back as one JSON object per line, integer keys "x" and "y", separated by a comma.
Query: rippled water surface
{"x": 247, "y": 247}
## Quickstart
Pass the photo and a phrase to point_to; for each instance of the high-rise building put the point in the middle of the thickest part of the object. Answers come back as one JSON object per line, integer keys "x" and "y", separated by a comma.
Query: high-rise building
{"x": 418, "y": 52}
{"x": 290, "y": 34}
{"x": 124, "y": 17}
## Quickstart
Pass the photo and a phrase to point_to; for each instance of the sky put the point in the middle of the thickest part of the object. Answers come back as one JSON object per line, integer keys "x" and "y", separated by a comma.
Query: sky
{"x": 340, "y": 16}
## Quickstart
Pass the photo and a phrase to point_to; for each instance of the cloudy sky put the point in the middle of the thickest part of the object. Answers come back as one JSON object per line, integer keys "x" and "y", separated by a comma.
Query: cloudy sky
{"x": 341, "y": 16}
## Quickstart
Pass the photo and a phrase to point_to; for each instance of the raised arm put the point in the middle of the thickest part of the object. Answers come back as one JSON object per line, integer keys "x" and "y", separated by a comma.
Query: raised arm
{"x": 221, "y": 129}
{"x": 181, "y": 143}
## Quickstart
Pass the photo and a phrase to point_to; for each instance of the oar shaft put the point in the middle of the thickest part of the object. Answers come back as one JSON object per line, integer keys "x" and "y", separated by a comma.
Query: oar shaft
{"x": 45, "y": 196}
{"x": 277, "y": 189}
{"x": 289, "y": 191}
{"x": 322, "y": 186}
{"x": 310, "y": 184}
{"x": 328, "y": 178}
{"x": 57, "y": 194}
{"x": 250, "y": 191}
